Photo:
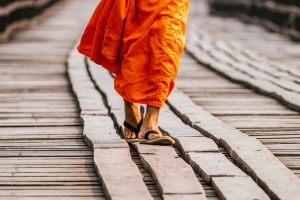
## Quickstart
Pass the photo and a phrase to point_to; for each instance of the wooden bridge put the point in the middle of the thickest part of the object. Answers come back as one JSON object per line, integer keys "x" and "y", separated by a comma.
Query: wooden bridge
{"x": 234, "y": 114}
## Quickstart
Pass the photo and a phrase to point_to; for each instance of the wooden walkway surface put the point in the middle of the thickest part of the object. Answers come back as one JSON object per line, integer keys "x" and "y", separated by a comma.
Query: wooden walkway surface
{"x": 42, "y": 154}
{"x": 261, "y": 60}
{"x": 61, "y": 122}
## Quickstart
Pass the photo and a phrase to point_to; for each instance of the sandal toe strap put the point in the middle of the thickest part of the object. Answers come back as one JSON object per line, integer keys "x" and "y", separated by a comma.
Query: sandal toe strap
{"x": 130, "y": 127}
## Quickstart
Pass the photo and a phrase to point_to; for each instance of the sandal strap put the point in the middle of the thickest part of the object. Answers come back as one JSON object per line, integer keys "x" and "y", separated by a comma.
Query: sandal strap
{"x": 132, "y": 128}
{"x": 146, "y": 136}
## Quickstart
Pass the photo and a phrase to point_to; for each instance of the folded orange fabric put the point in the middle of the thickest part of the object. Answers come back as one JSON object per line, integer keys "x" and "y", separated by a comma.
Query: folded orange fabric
{"x": 141, "y": 42}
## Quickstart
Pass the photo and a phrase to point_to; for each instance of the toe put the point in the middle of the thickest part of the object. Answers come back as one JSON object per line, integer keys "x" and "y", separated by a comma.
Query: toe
{"x": 133, "y": 135}
{"x": 153, "y": 136}
{"x": 126, "y": 134}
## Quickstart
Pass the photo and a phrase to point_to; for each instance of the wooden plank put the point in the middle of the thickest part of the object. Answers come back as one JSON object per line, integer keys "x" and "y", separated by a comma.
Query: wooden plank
{"x": 39, "y": 121}
{"x": 84, "y": 188}
{"x": 215, "y": 164}
{"x": 47, "y": 179}
{"x": 53, "y": 165}
{"x": 173, "y": 175}
{"x": 184, "y": 197}
{"x": 58, "y": 198}
{"x": 73, "y": 130}
{"x": 120, "y": 176}
{"x": 38, "y": 136}
{"x": 24, "y": 170}
{"x": 51, "y": 193}
{"x": 18, "y": 183}
{"x": 244, "y": 188}
{"x": 54, "y": 153}
{"x": 37, "y": 109}
{"x": 47, "y": 160}
{"x": 39, "y": 115}
{"x": 89, "y": 99}
{"x": 104, "y": 80}
{"x": 99, "y": 132}
{"x": 197, "y": 144}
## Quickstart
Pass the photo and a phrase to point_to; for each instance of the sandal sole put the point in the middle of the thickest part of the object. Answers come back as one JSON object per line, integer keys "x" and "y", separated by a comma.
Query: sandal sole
{"x": 164, "y": 140}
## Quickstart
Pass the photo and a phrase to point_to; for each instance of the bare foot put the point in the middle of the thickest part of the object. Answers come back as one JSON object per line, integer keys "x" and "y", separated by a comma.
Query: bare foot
{"x": 133, "y": 117}
{"x": 150, "y": 123}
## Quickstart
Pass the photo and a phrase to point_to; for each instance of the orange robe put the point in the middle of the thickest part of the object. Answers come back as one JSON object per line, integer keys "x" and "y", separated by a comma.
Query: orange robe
{"x": 140, "y": 41}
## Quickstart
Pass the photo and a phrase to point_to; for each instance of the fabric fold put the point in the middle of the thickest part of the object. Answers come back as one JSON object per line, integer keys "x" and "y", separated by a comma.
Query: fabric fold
{"x": 140, "y": 41}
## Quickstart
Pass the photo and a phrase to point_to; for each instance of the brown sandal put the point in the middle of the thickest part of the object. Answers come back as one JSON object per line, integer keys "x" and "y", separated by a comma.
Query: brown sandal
{"x": 163, "y": 140}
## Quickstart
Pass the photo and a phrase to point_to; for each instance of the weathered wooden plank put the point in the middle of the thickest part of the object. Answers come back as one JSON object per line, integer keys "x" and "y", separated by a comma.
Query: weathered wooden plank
{"x": 99, "y": 132}
{"x": 197, "y": 144}
{"x": 46, "y": 166}
{"x": 104, "y": 80}
{"x": 85, "y": 187}
{"x": 51, "y": 193}
{"x": 173, "y": 175}
{"x": 33, "y": 153}
{"x": 37, "y": 104}
{"x": 8, "y": 175}
{"x": 49, "y": 183}
{"x": 184, "y": 197}
{"x": 243, "y": 188}
{"x": 120, "y": 176}
{"x": 89, "y": 99}
{"x": 39, "y": 115}
{"x": 49, "y": 170}
{"x": 46, "y": 179}
{"x": 39, "y": 121}
{"x": 72, "y": 130}
{"x": 41, "y": 159}
{"x": 37, "y": 110}
{"x": 39, "y": 136}
{"x": 59, "y": 198}
{"x": 215, "y": 164}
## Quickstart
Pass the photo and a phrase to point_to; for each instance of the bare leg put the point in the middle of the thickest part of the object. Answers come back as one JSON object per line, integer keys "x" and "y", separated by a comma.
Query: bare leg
{"x": 150, "y": 123}
{"x": 132, "y": 116}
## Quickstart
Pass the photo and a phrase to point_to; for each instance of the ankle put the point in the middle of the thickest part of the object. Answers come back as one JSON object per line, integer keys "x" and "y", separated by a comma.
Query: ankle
{"x": 150, "y": 124}
{"x": 132, "y": 112}
{"x": 131, "y": 105}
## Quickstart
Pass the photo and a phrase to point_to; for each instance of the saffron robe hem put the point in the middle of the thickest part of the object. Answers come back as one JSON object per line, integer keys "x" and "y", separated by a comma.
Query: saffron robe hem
{"x": 141, "y": 42}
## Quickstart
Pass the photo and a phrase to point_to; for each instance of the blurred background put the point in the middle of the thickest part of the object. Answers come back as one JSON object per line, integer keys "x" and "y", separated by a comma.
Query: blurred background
{"x": 276, "y": 15}
{"x": 17, "y": 13}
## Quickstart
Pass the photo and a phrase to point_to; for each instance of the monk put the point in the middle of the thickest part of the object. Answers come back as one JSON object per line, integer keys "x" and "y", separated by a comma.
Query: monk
{"x": 140, "y": 41}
